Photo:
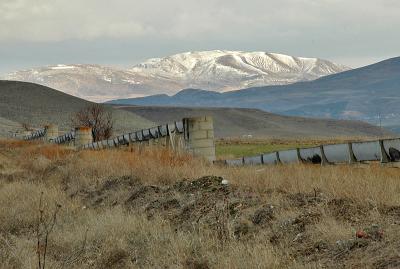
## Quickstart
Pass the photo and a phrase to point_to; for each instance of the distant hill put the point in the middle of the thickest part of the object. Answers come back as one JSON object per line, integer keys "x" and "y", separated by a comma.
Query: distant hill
{"x": 235, "y": 122}
{"x": 217, "y": 70}
{"x": 37, "y": 105}
{"x": 370, "y": 93}
{"x": 22, "y": 102}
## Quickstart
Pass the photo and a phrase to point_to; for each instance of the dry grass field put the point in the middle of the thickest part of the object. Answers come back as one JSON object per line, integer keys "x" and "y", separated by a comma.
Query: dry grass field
{"x": 148, "y": 208}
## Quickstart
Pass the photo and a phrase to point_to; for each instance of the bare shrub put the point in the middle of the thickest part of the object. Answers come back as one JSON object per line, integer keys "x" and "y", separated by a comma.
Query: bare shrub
{"x": 43, "y": 230}
{"x": 98, "y": 118}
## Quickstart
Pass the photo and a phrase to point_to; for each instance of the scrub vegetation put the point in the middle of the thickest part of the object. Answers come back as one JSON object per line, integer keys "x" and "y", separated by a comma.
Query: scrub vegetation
{"x": 149, "y": 208}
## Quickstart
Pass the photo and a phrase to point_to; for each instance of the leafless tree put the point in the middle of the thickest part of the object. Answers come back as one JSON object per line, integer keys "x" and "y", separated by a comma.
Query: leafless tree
{"x": 98, "y": 118}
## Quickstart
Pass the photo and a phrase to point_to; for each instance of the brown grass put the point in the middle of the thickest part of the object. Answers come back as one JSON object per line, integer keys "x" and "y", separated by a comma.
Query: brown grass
{"x": 97, "y": 229}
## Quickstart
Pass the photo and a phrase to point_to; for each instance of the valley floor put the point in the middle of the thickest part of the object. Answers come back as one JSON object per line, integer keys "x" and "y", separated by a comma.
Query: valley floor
{"x": 148, "y": 208}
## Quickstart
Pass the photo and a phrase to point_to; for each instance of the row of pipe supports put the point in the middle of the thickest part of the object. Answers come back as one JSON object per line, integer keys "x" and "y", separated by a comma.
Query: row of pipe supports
{"x": 197, "y": 138}
{"x": 83, "y": 135}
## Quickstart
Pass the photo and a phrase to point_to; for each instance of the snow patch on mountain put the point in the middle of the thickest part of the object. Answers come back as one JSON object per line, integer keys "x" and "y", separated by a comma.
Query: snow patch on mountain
{"x": 218, "y": 70}
{"x": 62, "y": 67}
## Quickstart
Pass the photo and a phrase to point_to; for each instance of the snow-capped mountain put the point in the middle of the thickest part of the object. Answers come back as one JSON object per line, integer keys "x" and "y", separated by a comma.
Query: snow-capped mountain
{"x": 209, "y": 70}
{"x": 92, "y": 82}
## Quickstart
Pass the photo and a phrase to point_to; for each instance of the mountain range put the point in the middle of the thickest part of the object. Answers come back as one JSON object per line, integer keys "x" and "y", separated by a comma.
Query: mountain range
{"x": 217, "y": 70}
{"x": 370, "y": 93}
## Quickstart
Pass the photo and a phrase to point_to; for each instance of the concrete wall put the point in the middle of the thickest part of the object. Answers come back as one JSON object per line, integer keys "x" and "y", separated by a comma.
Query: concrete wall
{"x": 51, "y": 132}
{"x": 199, "y": 136}
{"x": 83, "y": 136}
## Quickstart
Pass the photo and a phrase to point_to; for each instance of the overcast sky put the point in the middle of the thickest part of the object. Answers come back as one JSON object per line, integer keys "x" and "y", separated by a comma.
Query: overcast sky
{"x": 124, "y": 32}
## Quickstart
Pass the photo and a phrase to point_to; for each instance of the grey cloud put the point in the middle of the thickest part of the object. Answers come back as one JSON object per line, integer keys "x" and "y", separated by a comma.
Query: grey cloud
{"x": 56, "y": 20}
{"x": 333, "y": 29}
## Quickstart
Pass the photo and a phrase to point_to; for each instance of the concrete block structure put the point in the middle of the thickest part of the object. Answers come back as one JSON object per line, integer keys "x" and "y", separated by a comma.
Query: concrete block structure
{"x": 199, "y": 137}
{"x": 83, "y": 136}
{"x": 51, "y": 132}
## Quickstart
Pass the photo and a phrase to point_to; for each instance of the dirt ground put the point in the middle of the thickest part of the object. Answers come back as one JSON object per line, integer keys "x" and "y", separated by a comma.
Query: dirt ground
{"x": 238, "y": 214}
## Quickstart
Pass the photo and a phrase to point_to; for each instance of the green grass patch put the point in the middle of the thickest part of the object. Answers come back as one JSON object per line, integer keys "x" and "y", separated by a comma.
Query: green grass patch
{"x": 239, "y": 148}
